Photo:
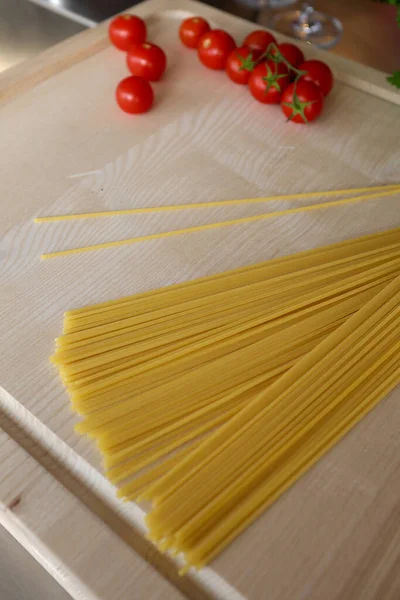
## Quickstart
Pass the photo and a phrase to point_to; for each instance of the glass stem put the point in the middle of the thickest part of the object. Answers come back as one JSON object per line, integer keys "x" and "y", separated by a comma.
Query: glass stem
{"x": 306, "y": 20}
{"x": 306, "y": 13}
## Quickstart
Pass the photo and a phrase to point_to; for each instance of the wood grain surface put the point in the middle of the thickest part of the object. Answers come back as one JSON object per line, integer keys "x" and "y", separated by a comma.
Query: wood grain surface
{"x": 21, "y": 576}
{"x": 67, "y": 539}
{"x": 66, "y": 147}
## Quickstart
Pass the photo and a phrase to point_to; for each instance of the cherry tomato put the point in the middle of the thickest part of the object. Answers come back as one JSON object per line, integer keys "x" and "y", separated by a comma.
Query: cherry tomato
{"x": 214, "y": 48}
{"x": 292, "y": 53}
{"x": 259, "y": 40}
{"x": 268, "y": 81}
{"x": 126, "y": 30}
{"x": 318, "y": 73}
{"x": 240, "y": 63}
{"x": 146, "y": 60}
{"x": 191, "y": 31}
{"x": 302, "y": 102}
{"x": 134, "y": 95}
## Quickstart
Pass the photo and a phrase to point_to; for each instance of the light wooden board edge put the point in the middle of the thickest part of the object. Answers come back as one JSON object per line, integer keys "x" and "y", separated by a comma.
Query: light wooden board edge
{"x": 27, "y": 493}
{"x": 27, "y": 75}
{"x": 39, "y": 441}
{"x": 98, "y": 495}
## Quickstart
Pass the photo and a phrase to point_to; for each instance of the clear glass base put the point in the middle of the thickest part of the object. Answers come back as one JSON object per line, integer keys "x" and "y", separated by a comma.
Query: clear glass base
{"x": 309, "y": 25}
{"x": 261, "y": 4}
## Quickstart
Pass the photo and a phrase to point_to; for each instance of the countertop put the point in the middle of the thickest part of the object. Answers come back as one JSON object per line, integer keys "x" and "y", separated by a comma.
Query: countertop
{"x": 371, "y": 35}
{"x": 27, "y": 29}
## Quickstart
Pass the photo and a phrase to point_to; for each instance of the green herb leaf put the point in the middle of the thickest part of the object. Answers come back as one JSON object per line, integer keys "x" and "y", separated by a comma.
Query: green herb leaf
{"x": 395, "y": 79}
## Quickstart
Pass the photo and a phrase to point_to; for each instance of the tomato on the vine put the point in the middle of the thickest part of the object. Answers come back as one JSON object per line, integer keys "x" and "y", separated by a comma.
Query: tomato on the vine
{"x": 214, "y": 48}
{"x": 292, "y": 53}
{"x": 259, "y": 40}
{"x": 240, "y": 63}
{"x": 192, "y": 29}
{"x": 268, "y": 80}
{"x": 134, "y": 95}
{"x": 302, "y": 102}
{"x": 319, "y": 73}
{"x": 146, "y": 60}
{"x": 126, "y": 30}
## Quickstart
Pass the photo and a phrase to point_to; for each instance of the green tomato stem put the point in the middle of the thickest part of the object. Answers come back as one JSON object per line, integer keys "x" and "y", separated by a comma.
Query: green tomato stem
{"x": 278, "y": 57}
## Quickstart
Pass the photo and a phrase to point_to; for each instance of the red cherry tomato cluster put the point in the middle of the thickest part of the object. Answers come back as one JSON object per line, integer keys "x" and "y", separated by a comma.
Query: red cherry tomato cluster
{"x": 275, "y": 73}
{"x": 146, "y": 61}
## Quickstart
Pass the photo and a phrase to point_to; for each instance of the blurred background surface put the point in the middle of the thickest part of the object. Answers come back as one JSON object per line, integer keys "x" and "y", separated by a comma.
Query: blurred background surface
{"x": 370, "y": 33}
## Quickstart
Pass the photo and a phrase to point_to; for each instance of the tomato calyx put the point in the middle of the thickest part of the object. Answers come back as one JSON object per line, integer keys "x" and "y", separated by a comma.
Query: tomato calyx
{"x": 247, "y": 63}
{"x": 272, "y": 79}
{"x": 298, "y": 107}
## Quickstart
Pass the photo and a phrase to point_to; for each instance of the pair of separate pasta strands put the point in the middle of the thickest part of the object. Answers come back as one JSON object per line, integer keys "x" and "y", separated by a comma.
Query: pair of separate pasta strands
{"x": 378, "y": 192}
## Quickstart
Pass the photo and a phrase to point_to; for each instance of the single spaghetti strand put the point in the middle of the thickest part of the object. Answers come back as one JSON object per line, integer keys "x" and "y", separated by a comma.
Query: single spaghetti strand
{"x": 151, "y": 209}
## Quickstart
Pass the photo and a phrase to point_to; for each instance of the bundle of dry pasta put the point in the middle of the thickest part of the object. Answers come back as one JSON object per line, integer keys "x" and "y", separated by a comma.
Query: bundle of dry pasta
{"x": 242, "y": 468}
{"x": 157, "y": 376}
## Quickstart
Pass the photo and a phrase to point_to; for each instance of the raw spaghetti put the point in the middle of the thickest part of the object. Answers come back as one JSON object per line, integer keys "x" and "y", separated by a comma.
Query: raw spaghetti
{"x": 223, "y": 383}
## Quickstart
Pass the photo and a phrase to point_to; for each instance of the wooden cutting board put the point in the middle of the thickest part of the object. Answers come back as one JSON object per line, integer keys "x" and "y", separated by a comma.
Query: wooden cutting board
{"x": 66, "y": 147}
{"x": 68, "y": 539}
